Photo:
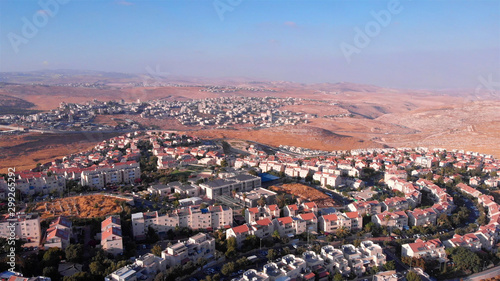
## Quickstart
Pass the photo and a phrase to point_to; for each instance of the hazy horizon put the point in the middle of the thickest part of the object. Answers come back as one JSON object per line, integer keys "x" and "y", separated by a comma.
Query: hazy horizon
{"x": 397, "y": 44}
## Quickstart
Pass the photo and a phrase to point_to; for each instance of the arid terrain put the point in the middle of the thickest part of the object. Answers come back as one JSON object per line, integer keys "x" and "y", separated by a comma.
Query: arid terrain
{"x": 90, "y": 206}
{"x": 377, "y": 117}
{"x": 307, "y": 193}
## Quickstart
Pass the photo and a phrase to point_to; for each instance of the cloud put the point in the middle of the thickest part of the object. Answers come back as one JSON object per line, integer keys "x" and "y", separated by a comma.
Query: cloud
{"x": 290, "y": 24}
{"x": 45, "y": 62}
{"x": 124, "y": 3}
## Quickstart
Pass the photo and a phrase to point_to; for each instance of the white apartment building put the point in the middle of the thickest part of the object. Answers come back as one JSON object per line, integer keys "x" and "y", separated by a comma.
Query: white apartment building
{"x": 99, "y": 177}
{"x": 26, "y": 227}
{"x": 198, "y": 246}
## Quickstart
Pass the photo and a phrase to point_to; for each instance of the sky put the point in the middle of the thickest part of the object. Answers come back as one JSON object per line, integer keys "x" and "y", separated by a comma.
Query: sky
{"x": 418, "y": 44}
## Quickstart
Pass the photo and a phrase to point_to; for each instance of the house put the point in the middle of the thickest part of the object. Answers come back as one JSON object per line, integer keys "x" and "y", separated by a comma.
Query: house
{"x": 289, "y": 226}
{"x": 58, "y": 234}
{"x": 291, "y": 210}
{"x": 356, "y": 221}
{"x": 256, "y": 213}
{"x": 469, "y": 190}
{"x": 160, "y": 189}
{"x": 365, "y": 207}
{"x": 422, "y": 217}
{"x": 391, "y": 220}
{"x": 239, "y": 232}
{"x": 395, "y": 204}
{"x": 311, "y": 221}
{"x": 310, "y": 207}
{"x": 469, "y": 240}
{"x": 431, "y": 249}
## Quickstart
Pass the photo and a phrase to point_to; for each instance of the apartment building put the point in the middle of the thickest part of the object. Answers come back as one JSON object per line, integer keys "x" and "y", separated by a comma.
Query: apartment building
{"x": 26, "y": 227}
{"x": 99, "y": 177}
{"x": 30, "y": 183}
{"x": 111, "y": 235}
{"x": 214, "y": 217}
{"x": 363, "y": 258}
{"x": 335, "y": 260}
{"x": 239, "y": 183}
{"x": 198, "y": 246}
{"x": 145, "y": 267}
{"x": 252, "y": 197}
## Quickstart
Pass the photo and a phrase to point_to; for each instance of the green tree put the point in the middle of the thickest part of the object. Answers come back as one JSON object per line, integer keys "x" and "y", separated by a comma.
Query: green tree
{"x": 74, "y": 253}
{"x": 156, "y": 250}
{"x": 228, "y": 268}
{"x": 390, "y": 265}
{"x": 338, "y": 277}
{"x": 52, "y": 257}
{"x": 151, "y": 235}
{"x": 271, "y": 254}
{"x": 413, "y": 276}
{"x": 276, "y": 235}
{"x": 79, "y": 276}
{"x": 465, "y": 259}
{"x": 52, "y": 272}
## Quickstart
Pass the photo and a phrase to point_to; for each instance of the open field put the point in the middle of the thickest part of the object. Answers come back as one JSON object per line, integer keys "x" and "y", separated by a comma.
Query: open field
{"x": 25, "y": 151}
{"x": 88, "y": 206}
{"x": 307, "y": 193}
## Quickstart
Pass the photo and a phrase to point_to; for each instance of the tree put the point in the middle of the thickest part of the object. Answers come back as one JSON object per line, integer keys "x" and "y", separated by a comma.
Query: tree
{"x": 342, "y": 232}
{"x": 79, "y": 276}
{"x": 262, "y": 201}
{"x": 390, "y": 265}
{"x": 151, "y": 235}
{"x": 276, "y": 235}
{"x": 74, "y": 253}
{"x": 228, "y": 268}
{"x": 51, "y": 272}
{"x": 52, "y": 257}
{"x": 156, "y": 250}
{"x": 413, "y": 276}
{"x": 338, "y": 277}
{"x": 271, "y": 254}
{"x": 465, "y": 259}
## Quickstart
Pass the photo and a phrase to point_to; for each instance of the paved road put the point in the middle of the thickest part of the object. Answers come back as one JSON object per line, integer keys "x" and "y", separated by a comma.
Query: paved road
{"x": 490, "y": 273}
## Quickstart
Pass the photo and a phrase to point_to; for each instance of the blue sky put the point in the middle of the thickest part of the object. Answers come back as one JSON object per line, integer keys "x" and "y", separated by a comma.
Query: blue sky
{"x": 427, "y": 44}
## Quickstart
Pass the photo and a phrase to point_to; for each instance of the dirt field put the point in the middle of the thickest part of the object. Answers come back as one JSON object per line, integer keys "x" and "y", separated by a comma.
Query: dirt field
{"x": 90, "y": 206}
{"x": 307, "y": 193}
{"x": 25, "y": 151}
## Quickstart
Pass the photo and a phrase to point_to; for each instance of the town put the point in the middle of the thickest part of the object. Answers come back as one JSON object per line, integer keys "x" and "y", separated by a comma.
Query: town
{"x": 223, "y": 112}
{"x": 194, "y": 209}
